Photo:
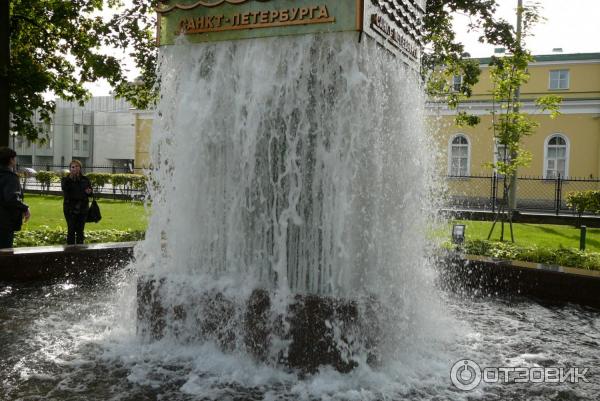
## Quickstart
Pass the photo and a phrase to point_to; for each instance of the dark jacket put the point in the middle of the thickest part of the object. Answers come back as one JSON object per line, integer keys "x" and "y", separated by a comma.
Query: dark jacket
{"x": 76, "y": 200}
{"x": 11, "y": 201}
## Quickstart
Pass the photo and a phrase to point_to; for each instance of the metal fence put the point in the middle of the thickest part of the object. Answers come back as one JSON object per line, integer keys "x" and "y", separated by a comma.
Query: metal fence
{"x": 533, "y": 193}
{"x": 31, "y": 184}
{"x": 87, "y": 169}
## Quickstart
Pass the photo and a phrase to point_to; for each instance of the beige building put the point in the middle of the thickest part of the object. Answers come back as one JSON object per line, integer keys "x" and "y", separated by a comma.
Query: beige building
{"x": 567, "y": 147}
{"x": 143, "y": 137}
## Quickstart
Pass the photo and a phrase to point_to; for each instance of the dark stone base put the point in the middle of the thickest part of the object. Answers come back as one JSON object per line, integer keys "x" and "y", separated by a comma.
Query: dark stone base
{"x": 492, "y": 277}
{"x": 51, "y": 262}
{"x": 317, "y": 330}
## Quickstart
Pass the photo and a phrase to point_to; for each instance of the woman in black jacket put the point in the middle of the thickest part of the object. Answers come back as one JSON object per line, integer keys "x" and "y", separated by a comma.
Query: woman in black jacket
{"x": 76, "y": 189}
{"x": 13, "y": 212}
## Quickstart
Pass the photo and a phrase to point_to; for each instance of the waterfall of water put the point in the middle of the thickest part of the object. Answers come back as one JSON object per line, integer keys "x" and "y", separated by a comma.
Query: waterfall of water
{"x": 298, "y": 165}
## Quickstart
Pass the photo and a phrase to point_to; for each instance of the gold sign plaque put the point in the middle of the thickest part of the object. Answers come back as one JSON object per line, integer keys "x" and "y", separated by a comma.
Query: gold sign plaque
{"x": 393, "y": 23}
{"x": 214, "y": 20}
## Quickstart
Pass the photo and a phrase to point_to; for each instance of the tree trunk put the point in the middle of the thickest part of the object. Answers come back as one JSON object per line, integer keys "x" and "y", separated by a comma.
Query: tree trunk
{"x": 4, "y": 68}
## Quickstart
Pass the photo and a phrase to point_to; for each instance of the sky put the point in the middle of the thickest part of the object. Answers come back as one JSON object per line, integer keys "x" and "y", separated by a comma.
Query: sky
{"x": 573, "y": 25}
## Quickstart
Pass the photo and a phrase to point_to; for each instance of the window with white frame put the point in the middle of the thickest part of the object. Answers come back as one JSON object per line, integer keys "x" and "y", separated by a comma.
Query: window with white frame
{"x": 85, "y": 145}
{"x": 459, "y": 156}
{"x": 556, "y": 157}
{"x": 76, "y": 144}
{"x": 559, "y": 79}
{"x": 457, "y": 81}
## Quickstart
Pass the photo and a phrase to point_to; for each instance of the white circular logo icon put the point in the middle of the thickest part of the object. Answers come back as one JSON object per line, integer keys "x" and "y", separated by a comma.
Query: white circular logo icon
{"x": 465, "y": 375}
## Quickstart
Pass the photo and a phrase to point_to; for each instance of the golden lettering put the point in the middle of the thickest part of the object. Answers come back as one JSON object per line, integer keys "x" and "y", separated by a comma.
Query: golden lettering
{"x": 254, "y": 15}
{"x": 272, "y": 18}
{"x": 264, "y": 17}
{"x": 284, "y": 15}
{"x": 312, "y": 11}
{"x": 323, "y": 12}
{"x": 274, "y": 15}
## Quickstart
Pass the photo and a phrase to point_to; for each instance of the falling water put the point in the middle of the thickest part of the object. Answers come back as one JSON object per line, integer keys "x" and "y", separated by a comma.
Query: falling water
{"x": 297, "y": 163}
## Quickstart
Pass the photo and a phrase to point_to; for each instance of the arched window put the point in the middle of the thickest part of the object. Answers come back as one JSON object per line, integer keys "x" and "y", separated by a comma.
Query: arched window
{"x": 556, "y": 156}
{"x": 459, "y": 155}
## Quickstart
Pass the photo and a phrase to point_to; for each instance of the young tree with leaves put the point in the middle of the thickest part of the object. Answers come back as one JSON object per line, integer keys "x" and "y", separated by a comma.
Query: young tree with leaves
{"x": 508, "y": 73}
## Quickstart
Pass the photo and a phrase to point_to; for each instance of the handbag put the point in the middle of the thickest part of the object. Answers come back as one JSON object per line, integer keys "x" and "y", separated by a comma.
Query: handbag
{"x": 94, "y": 214}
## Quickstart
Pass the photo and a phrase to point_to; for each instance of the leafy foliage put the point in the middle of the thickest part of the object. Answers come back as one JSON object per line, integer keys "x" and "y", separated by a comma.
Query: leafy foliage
{"x": 446, "y": 57}
{"x": 56, "y": 46}
{"x": 560, "y": 256}
{"x": 584, "y": 201}
{"x": 510, "y": 125}
{"x": 125, "y": 183}
{"x": 99, "y": 180}
{"x": 46, "y": 178}
{"x": 58, "y": 236}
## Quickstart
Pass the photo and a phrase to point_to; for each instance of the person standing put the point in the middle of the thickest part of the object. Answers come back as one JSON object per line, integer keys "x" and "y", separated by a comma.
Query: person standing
{"x": 76, "y": 190}
{"x": 13, "y": 212}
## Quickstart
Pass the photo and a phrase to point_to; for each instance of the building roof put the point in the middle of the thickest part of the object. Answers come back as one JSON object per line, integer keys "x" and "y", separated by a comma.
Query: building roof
{"x": 562, "y": 57}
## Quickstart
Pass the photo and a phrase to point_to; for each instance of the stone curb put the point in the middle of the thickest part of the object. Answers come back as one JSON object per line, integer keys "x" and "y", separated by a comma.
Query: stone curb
{"x": 489, "y": 276}
{"x": 49, "y": 262}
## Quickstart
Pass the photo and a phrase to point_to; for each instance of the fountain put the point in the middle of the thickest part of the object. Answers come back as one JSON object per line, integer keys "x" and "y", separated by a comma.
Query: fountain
{"x": 286, "y": 255}
{"x": 281, "y": 224}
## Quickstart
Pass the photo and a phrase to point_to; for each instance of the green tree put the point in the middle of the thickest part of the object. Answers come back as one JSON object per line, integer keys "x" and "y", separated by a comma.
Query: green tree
{"x": 510, "y": 124}
{"x": 445, "y": 56}
{"x": 447, "y": 59}
{"x": 56, "y": 47}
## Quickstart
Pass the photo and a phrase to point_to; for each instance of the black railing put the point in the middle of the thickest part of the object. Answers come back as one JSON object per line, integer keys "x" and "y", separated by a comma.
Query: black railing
{"x": 533, "y": 193}
{"x": 113, "y": 169}
{"x": 31, "y": 184}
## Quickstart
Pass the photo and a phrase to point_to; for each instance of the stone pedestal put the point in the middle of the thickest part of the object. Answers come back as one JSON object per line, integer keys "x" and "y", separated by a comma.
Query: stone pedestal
{"x": 317, "y": 330}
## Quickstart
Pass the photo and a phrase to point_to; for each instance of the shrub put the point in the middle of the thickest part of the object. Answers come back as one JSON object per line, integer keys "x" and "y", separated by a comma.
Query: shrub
{"x": 584, "y": 201}
{"x": 561, "y": 256}
{"x": 99, "y": 180}
{"x": 127, "y": 183}
{"x": 46, "y": 178}
{"x": 58, "y": 236}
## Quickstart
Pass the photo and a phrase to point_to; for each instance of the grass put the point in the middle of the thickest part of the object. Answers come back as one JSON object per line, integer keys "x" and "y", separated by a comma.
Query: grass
{"x": 541, "y": 235}
{"x": 47, "y": 210}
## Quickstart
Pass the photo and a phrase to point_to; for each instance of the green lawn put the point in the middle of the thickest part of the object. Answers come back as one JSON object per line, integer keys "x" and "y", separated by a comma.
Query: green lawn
{"x": 542, "y": 235}
{"x": 46, "y": 210}
{"x": 121, "y": 215}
